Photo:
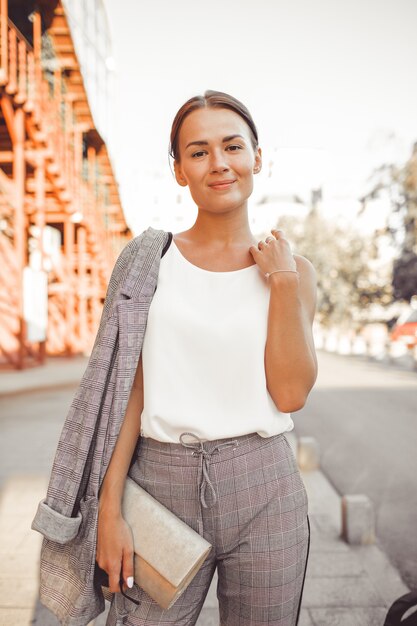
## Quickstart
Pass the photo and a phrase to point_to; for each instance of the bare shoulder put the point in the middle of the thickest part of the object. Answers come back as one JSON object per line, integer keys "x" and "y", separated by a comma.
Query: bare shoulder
{"x": 308, "y": 284}
{"x": 305, "y": 267}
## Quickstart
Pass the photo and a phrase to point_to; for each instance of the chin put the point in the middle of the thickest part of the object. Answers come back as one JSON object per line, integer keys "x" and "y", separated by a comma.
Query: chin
{"x": 223, "y": 203}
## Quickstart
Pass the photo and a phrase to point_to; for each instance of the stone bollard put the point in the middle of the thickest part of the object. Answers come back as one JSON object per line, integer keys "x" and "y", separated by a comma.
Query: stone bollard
{"x": 308, "y": 454}
{"x": 358, "y": 520}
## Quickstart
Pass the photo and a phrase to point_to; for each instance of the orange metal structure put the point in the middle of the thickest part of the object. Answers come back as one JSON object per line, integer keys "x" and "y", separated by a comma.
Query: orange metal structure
{"x": 60, "y": 211}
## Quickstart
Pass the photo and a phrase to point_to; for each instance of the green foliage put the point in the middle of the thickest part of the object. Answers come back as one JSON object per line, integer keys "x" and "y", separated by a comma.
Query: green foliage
{"x": 342, "y": 258}
{"x": 405, "y": 276}
{"x": 401, "y": 185}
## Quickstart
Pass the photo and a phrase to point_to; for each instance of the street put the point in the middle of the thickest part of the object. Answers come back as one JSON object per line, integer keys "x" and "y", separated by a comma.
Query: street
{"x": 364, "y": 416}
{"x": 30, "y": 426}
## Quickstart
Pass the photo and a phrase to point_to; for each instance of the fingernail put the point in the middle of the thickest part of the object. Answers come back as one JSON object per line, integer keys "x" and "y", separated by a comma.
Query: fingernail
{"x": 130, "y": 582}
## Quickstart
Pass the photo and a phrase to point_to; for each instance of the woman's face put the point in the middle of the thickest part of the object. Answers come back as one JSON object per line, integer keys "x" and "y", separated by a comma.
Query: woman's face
{"x": 215, "y": 147}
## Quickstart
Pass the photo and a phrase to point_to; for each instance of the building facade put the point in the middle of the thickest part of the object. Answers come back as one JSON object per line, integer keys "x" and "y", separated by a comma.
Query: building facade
{"x": 61, "y": 220}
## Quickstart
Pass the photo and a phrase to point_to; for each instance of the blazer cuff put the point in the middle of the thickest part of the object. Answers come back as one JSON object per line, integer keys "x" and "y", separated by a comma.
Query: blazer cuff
{"x": 54, "y": 525}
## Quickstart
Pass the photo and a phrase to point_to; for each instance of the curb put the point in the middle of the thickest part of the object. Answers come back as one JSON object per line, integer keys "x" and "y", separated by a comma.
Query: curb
{"x": 325, "y": 501}
{"x": 35, "y": 389}
{"x": 62, "y": 374}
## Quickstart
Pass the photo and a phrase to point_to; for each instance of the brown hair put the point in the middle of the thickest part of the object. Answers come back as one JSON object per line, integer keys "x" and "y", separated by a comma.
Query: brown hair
{"x": 210, "y": 99}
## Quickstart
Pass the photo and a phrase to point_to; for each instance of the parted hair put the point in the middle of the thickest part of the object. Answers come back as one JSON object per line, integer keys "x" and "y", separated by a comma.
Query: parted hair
{"x": 210, "y": 99}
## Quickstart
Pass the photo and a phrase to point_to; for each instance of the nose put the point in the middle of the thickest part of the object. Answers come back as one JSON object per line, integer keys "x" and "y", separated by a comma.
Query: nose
{"x": 218, "y": 161}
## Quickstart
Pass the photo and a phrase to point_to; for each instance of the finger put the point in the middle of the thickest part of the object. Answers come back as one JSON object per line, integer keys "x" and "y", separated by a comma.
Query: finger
{"x": 114, "y": 578}
{"x": 268, "y": 239}
{"x": 277, "y": 232}
{"x": 128, "y": 568}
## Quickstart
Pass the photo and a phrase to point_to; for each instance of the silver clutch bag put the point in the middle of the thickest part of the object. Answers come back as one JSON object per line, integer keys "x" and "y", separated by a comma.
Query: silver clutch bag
{"x": 168, "y": 553}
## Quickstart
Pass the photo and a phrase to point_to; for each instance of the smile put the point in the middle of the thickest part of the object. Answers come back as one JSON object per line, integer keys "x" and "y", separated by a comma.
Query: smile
{"x": 225, "y": 185}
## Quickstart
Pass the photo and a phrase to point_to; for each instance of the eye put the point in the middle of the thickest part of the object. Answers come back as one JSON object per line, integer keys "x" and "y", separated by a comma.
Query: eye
{"x": 196, "y": 154}
{"x": 234, "y": 148}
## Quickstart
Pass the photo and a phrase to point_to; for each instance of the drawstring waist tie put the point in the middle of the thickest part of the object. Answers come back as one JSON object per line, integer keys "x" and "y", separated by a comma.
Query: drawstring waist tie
{"x": 205, "y": 458}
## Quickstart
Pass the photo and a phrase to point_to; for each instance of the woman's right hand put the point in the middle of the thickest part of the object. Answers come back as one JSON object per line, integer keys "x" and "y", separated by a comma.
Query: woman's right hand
{"x": 114, "y": 552}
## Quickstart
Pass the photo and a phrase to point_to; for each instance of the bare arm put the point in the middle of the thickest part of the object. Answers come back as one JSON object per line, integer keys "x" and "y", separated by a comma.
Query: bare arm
{"x": 290, "y": 358}
{"x": 114, "y": 540}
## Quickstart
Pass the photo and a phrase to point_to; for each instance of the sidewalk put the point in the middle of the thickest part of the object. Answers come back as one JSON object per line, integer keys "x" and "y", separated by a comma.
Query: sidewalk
{"x": 345, "y": 585}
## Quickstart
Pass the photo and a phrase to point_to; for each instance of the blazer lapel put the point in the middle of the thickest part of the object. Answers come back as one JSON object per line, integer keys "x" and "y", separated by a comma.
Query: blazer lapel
{"x": 139, "y": 287}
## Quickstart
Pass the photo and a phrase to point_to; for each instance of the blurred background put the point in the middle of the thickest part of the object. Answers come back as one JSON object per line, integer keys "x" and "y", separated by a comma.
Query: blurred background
{"x": 88, "y": 92}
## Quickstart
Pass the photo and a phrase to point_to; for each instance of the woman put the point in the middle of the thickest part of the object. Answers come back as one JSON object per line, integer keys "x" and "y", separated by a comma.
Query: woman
{"x": 228, "y": 354}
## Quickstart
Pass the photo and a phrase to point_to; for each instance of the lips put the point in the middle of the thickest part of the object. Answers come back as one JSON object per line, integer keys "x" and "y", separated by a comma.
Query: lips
{"x": 222, "y": 184}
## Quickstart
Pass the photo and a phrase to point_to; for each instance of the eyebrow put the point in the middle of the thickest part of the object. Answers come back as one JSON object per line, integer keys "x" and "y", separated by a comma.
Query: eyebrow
{"x": 205, "y": 143}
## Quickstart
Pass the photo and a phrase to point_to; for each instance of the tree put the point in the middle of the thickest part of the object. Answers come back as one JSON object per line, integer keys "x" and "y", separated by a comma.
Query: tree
{"x": 400, "y": 183}
{"x": 343, "y": 259}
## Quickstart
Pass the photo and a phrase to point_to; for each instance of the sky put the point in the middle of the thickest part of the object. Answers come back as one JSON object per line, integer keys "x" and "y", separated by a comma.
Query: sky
{"x": 331, "y": 85}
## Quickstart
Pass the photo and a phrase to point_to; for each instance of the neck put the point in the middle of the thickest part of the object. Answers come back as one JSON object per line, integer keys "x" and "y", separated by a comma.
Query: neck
{"x": 222, "y": 229}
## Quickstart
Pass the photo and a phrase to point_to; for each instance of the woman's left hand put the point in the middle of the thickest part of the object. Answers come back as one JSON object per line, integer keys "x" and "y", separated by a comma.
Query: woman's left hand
{"x": 274, "y": 253}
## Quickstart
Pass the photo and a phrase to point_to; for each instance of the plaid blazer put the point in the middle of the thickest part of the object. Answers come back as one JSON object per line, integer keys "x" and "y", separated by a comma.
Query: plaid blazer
{"x": 67, "y": 517}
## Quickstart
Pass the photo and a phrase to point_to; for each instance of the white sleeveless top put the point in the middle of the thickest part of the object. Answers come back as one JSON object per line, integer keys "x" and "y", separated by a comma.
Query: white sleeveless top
{"x": 203, "y": 354}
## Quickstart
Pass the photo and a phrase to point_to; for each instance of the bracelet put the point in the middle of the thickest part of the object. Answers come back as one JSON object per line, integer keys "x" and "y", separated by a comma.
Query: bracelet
{"x": 268, "y": 274}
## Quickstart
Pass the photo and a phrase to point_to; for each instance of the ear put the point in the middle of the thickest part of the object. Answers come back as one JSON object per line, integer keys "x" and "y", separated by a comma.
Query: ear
{"x": 179, "y": 175}
{"x": 257, "y": 166}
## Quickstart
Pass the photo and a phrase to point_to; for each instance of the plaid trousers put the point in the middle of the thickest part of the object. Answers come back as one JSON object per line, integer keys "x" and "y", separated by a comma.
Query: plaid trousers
{"x": 247, "y": 498}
